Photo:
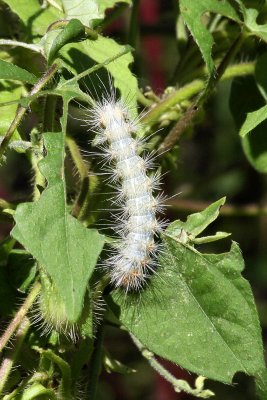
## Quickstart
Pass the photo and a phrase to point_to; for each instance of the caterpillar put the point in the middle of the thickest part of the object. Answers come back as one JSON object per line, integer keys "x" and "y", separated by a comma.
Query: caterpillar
{"x": 133, "y": 257}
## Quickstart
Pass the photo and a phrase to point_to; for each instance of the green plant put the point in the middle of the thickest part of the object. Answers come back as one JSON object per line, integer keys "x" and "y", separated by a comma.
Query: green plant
{"x": 196, "y": 310}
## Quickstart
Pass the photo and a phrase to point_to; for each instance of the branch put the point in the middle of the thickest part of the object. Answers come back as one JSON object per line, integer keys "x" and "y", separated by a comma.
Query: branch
{"x": 9, "y": 360}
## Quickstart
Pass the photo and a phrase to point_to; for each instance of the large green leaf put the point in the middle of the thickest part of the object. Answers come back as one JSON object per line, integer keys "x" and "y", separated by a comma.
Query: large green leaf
{"x": 197, "y": 311}
{"x": 83, "y": 10}
{"x": 61, "y": 244}
{"x": 35, "y": 18}
{"x": 13, "y": 72}
{"x": 88, "y": 53}
{"x": 192, "y": 13}
{"x": 246, "y": 103}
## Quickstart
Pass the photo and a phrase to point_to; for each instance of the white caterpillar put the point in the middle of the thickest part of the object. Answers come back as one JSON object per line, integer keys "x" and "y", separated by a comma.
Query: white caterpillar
{"x": 133, "y": 258}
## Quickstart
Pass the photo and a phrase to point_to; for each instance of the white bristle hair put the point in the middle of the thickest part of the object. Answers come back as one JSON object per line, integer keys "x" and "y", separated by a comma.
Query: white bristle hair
{"x": 133, "y": 258}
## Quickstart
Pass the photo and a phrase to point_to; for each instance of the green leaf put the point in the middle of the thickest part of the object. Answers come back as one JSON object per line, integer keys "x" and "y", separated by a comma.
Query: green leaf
{"x": 80, "y": 54}
{"x": 61, "y": 244}
{"x": 192, "y": 13}
{"x": 13, "y": 72}
{"x": 197, "y": 311}
{"x": 196, "y": 223}
{"x": 9, "y": 91}
{"x": 245, "y": 98}
{"x": 250, "y": 16}
{"x": 84, "y": 10}
{"x": 253, "y": 119}
{"x": 72, "y": 32}
{"x": 35, "y": 18}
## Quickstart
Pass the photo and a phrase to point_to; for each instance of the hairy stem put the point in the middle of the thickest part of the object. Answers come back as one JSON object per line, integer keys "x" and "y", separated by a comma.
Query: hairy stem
{"x": 179, "y": 385}
{"x": 96, "y": 363}
{"x": 49, "y": 113}
{"x": 22, "y": 110}
{"x": 176, "y": 132}
{"x": 83, "y": 195}
{"x": 192, "y": 89}
{"x": 14, "y": 324}
{"x": 64, "y": 369}
{"x": 9, "y": 360}
{"x": 36, "y": 377}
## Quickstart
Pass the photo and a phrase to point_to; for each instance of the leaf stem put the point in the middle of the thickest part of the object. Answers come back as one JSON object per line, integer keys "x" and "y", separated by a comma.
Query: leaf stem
{"x": 179, "y": 385}
{"x": 96, "y": 362}
{"x": 22, "y": 110}
{"x": 9, "y": 360}
{"x": 12, "y": 327}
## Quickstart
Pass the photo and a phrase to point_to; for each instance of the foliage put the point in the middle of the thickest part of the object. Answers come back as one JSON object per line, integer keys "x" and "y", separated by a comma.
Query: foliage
{"x": 197, "y": 310}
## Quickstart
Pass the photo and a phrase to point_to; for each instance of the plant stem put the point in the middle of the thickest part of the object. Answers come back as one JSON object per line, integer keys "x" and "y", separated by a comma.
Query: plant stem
{"x": 83, "y": 195}
{"x": 96, "y": 362}
{"x": 174, "y": 135}
{"x": 12, "y": 327}
{"x": 33, "y": 47}
{"x": 49, "y": 113}
{"x": 134, "y": 26}
{"x": 37, "y": 377}
{"x": 64, "y": 368}
{"x": 22, "y": 110}
{"x": 9, "y": 360}
{"x": 179, "y": 385}
{"x": 192, "y": 89}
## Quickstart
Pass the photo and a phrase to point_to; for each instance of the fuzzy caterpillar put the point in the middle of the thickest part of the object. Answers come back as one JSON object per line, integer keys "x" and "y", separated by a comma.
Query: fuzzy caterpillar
{"x": 133, "y": 258}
